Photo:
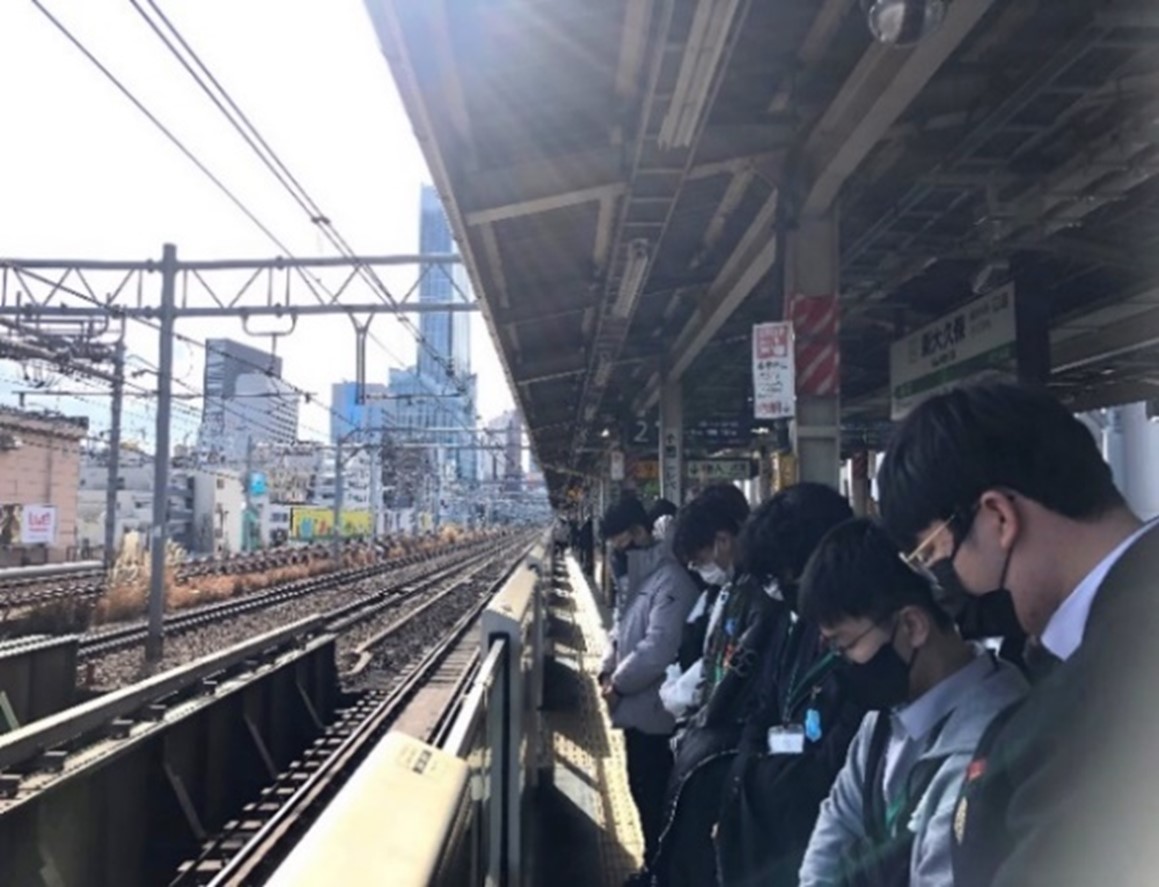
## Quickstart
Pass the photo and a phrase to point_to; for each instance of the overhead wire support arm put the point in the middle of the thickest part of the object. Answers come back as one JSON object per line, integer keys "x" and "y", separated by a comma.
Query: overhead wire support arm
{"x": 37, "y": 288}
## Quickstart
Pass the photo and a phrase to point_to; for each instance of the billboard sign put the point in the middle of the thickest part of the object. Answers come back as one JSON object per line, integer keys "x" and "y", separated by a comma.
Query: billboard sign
{"x": 38, "y": 526}
{"x": 975, "y": 339}
{"x": 308, "y": 522}
{"x": 774, "y": 385}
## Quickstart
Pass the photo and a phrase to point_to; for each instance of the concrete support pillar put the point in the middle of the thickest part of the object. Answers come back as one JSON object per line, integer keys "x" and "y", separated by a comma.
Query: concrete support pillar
{"x": 1140, "y": 447}
{"x": 812, "y": 269}
{"x": 672, "y": 441}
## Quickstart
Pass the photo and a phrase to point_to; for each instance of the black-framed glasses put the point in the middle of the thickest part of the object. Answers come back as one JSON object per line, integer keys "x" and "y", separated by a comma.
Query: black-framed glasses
{"x": 842, "y": 650}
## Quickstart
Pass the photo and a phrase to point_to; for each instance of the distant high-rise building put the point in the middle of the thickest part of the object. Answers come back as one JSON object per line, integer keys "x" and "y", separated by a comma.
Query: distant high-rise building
{"x": 448, "y": 335}
{"x": 433, "y": 403}
{"x": 350, "y": 419}
{"x": 264, "y": 405}
{"x": 263, "y": 409}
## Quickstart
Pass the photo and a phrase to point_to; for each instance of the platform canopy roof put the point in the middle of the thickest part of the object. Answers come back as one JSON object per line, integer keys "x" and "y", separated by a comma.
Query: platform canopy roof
{"x": 590, "y": 150}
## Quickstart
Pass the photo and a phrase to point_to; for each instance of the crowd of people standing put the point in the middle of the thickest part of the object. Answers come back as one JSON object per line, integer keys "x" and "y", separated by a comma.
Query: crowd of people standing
{"x": 949, "y": 694}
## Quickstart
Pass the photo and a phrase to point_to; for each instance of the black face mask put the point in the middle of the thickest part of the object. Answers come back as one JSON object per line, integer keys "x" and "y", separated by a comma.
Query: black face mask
{"x": 988, "y": 615}
{"x": 882, "y": 682}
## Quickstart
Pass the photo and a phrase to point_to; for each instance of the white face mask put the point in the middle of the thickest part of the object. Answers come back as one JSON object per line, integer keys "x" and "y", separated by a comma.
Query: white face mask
{"x": 712, "y": 574}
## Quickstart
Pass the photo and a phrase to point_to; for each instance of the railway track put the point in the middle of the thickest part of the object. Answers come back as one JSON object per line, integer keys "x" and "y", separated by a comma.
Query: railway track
{"x": 72, "y": 584}
{"x": 418, "y": 694}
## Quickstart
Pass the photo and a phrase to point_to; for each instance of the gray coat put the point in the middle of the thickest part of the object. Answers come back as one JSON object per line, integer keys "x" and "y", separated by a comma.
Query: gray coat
{"x": 840, "y": 822}
{"x": 646, "y": 638}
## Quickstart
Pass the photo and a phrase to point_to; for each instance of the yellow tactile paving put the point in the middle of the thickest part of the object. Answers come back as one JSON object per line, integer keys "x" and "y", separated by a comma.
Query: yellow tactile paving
{"x": 586, "y": 745}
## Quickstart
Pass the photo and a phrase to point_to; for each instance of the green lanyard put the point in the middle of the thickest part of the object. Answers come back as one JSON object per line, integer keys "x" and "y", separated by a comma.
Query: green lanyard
{"x": 799, "y": 692}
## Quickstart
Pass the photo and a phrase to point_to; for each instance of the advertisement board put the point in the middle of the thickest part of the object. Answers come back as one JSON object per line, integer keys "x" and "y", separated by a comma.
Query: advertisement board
{"x": 38, "y": 525}
{"x": 309, "y": 522}
{"x": 774, "y": 385}
{"x": 977, "y": 338}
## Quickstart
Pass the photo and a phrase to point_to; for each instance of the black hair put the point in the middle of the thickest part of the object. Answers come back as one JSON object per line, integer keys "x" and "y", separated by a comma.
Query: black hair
{"x": 782, "y": 533}
{"x": 624, "y": 515}
{"x": 857, "y": 572}
{"x": 990, "y": 435}
{"x": 697, "y": 524}
{"x": 661, "y": 508}
{"x": 728, "y": 497}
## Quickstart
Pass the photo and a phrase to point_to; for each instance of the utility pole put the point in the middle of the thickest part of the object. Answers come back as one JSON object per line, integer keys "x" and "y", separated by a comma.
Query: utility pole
{"x": 248, "y": 517}
{"x": 375, "y": 491}
{"x": 114, "y": 452}
{"x": 338, "y": 491}
{"x": 154, "y": 643}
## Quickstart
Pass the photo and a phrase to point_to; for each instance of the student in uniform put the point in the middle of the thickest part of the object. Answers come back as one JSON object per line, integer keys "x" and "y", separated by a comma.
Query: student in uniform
{"x": 706, "y": 538}
{"x": 930, "y": 695}
{"x": 785, "y": 677}
{"x": 997, "y": 486}
{"x": 644, "y": 641}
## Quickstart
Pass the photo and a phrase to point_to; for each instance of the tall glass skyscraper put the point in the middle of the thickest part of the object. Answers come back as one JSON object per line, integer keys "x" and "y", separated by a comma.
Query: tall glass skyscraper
{"x": 448, "y": 335}
{"x": 434, "y": 402}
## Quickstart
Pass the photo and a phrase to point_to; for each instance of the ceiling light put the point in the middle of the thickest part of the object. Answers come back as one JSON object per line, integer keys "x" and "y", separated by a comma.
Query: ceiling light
{"x": 904, "y": 22}
{"x": 632, "y": 281}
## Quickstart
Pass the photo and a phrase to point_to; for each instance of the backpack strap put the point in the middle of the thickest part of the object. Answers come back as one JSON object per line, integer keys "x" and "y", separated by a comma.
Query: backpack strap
{"x": 872, "y": 793}
{"x": 882, "y": 818}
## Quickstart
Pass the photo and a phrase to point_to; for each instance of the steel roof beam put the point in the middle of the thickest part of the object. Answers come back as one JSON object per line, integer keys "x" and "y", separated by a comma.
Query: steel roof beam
{"x": 1112, "y": 395}
{"x": 544, "y": 185}
{"x": 1133, "y": 333}
{"x": 878, "y": 91}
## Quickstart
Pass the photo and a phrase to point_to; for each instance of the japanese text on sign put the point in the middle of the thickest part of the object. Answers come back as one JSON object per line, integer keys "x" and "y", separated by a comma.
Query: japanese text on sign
{"x": 774, "y": 393}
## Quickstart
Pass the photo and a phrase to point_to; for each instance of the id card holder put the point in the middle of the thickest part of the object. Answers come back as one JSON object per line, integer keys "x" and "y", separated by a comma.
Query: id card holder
{"x": 786, "y": 740}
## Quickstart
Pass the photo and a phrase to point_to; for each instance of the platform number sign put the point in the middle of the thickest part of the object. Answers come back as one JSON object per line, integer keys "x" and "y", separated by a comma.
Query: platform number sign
{"x": 643, "y": 434}
{"x": 774, "y": 392}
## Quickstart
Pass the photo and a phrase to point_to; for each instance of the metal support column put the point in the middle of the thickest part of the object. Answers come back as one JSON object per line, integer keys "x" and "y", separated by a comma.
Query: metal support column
{"x": 672, "y": 441}
{"x": 339, "y": 489}
{"x": 114, "y": 467}
{"x": 812, "y": 268}
{"x": 248, "y": 519}
{"x": 154, "y": 648}
{"x": 375, "y": 490}
{"x": 1032, "y": 329}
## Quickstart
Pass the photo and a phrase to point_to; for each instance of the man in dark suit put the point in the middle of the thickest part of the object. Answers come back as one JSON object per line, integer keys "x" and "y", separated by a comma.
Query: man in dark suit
{"x": 997, "y": 487}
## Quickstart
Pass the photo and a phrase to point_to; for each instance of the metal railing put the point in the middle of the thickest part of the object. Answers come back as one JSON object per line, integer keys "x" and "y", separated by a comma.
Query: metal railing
{"x": 497, "y": 734}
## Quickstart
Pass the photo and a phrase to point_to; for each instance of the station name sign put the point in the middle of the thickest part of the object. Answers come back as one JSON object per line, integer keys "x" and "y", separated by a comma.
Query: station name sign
{"x": 977, "y": 338}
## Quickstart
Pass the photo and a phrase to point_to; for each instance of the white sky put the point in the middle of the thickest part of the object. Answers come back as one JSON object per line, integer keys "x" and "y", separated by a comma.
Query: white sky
{"x": 84, "y": 175}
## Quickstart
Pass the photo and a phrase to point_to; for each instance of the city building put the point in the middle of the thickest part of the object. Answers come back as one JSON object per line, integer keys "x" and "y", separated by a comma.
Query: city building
{"x": 262, "y": 409}
{"x": 351, "y": 420}
{"x": 40, "y": 455}
{"x": 448, "y": 334}
{"x": 431, "y": 406}
{"x": 244, "y": 397}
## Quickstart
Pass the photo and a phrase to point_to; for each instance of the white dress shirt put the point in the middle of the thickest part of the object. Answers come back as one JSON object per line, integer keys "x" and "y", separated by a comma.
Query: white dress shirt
{"x": 1064, "y": 632}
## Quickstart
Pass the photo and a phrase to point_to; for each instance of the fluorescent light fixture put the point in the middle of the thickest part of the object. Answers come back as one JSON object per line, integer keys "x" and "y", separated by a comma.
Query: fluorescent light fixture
{"x": 711, "y": 24}
{"x": 603, "y": 370}
{"x": 632, "y": 281}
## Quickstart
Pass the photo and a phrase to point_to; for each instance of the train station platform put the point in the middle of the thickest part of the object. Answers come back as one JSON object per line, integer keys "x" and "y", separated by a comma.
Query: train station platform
{"x": 586, "y": 825}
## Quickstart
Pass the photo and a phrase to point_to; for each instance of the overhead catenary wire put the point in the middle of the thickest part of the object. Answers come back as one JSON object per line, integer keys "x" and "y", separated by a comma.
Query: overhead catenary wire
{"x": 241, "y": 122}
{"x": 256, "y": 143}
{"x": 317, "y": 217}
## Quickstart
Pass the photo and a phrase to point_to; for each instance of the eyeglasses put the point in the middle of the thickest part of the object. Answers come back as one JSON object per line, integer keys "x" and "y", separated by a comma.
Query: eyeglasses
{"x": 842, "y": 650}
{"x": 921, "y": 559}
